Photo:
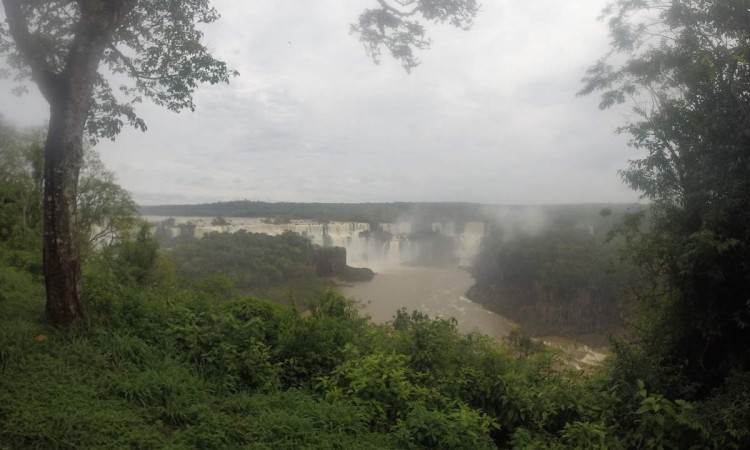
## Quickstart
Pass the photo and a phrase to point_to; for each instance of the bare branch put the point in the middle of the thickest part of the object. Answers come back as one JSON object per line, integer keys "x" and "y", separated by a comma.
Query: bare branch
{"x": 398, "y": 12}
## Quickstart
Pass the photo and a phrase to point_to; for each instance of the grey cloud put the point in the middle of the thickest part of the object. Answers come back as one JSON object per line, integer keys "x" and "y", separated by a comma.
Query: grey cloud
{"x": 490, "y": 115}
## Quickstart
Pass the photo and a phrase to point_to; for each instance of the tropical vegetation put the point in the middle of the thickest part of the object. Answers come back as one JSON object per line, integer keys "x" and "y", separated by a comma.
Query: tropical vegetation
{"x": 158, "y": 363}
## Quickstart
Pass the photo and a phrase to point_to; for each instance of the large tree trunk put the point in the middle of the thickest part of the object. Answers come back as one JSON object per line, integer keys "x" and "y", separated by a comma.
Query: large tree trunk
{"x": 68, "y": 90}
{"x": 62, "y": 263}
{"x": 69, "y": 95}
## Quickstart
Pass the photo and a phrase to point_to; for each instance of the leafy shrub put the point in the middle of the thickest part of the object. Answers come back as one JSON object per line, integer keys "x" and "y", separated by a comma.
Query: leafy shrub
{"x": 453, "y": 428}
{"x": 726, "y": 413}
{"x": 226, "y": 348}
{"x": 380, "y": 383}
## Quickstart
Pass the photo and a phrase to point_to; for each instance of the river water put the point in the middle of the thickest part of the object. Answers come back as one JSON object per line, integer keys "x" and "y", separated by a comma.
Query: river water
{"x": 439, "y": 292}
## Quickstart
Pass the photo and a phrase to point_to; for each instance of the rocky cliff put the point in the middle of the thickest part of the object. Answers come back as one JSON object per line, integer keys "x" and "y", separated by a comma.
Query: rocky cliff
{"x": 331, "y": 262}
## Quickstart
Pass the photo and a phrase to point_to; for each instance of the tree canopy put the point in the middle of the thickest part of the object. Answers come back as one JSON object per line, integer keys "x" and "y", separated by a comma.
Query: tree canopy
{"x": 682, "y": 65}
{"x": 105, "y": 211}
{"x": 395, "y": 26}
{"x": 157, "y": 45}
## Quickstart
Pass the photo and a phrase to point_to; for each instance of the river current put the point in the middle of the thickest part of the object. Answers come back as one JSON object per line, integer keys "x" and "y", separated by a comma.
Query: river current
{"x": 439, "y": 292}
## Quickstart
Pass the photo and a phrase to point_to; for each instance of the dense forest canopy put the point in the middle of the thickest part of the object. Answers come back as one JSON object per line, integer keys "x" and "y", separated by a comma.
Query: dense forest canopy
{"x": 280, "y": 268}
{"x": 566, "y": 276}
{"x": 686, "y": 70}
{"x": 104, "y": 211}
{"x": 325, "y": 212}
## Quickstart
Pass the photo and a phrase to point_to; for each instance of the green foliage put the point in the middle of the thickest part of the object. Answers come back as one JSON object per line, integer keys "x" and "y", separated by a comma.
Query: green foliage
{"x": 454, "y": 428}
{"x": 276, "y": 267}
{"x": 219, "y": 286}
{"x": 150, "y": 46}
{"x": 394, "y": 396}
{"x": 727, "y": 412}
{"x": 687, "y": 69}
{"x": 380, "y": 384}
{"x": 18, "y": 286}
{"x": 566, "y": 278}
{"x": 227, "y": 348}
{"x": 81, "y": 417}
{"x": 17, "y": 340}
{"x": 334, "y": 306}
{"x": 432, "y": 344}
{"x": 20, "y": 187}
{"x": 294, "y": 419}
{"x": 587, "y": 435}
{"x": 159, "y": 366}
{"x": 106, "y": 213}
{"x": 395, "y": 27}
{"x": 134, "y": 258}
{"x": 311, "y": 348}
{"x": 662, "y": 423}
{"x": 162, "y": 367}
{"x": 166, "y": 390}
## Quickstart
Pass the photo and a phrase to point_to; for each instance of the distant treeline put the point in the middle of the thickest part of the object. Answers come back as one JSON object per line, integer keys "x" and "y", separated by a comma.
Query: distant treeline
{"x": 323, "y": 212}
{"x": 454, "y": 212}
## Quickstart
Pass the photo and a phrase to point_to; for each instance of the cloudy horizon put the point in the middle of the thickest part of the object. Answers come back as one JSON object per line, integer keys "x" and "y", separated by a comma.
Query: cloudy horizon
{"x": 490, "y": 116}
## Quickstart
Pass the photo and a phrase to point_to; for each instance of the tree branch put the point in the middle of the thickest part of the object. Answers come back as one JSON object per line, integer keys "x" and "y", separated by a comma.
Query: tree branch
{"x": 134, "y": 72}
{"x": 41, "y": 71}
{"x": 396, "y": 11}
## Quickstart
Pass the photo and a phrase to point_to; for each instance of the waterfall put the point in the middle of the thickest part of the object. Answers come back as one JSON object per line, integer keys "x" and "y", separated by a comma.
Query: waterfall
{"x": 388, "y": 245}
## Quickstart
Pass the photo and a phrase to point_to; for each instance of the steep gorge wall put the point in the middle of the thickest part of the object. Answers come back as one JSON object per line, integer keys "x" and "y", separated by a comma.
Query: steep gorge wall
{"x": 561, "y": 282}
{"x": 542, "y": 312}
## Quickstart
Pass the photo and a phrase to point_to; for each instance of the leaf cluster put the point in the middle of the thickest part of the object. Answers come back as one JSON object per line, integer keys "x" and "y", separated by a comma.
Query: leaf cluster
{"x": 394, "y": 25}
{"x": 155, "y": 52}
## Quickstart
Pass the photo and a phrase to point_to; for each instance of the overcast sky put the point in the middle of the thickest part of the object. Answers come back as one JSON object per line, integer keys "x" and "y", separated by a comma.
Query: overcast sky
{"x": 489, "y": 116}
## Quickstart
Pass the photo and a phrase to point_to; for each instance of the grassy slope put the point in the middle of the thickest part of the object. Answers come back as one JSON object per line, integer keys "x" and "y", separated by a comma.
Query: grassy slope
{"x": 108, "y": 387}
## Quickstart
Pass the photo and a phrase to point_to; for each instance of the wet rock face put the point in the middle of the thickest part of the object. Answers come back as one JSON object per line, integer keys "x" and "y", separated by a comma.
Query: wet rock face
{"x": 331, "y": 262}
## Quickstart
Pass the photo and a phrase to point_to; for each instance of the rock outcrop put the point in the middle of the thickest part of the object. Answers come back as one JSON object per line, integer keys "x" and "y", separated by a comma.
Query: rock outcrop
{"x": 331, "y": 262}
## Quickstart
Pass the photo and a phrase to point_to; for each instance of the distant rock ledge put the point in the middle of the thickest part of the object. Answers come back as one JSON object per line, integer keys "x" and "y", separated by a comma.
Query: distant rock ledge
{"x": 331, "y": 262}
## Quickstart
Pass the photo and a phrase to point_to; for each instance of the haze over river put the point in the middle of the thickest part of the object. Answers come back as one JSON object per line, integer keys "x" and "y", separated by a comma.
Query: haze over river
{"x": 436, "y": 291}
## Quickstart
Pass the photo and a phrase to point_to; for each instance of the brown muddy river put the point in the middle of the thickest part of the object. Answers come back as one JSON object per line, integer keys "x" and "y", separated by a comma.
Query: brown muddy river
{"x": 437, "y": 292}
